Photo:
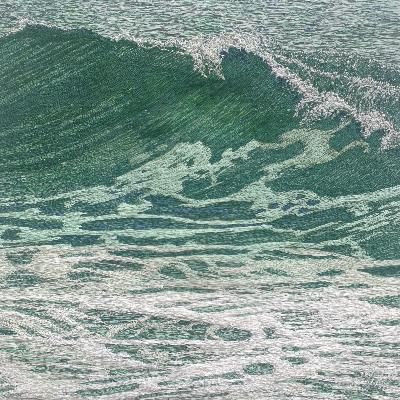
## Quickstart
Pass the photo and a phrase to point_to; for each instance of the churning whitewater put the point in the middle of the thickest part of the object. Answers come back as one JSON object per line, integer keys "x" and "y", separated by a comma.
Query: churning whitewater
{"x": 214, "y": 217}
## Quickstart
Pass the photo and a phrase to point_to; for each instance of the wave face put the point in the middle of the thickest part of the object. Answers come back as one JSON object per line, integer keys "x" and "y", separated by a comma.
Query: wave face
{"x": 201, "y": 218}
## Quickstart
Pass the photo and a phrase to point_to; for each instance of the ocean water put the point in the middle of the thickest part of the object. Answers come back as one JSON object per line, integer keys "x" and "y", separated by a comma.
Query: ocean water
{"x": 199, "y": 200}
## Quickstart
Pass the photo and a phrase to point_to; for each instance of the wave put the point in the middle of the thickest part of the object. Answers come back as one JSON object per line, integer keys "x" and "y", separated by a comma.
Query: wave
{"x": 188, "y": 219}
{"x": 152, "y": 135}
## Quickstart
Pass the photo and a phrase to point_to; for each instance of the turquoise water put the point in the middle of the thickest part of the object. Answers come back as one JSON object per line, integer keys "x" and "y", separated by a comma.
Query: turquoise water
{"x": 199, "y": 201}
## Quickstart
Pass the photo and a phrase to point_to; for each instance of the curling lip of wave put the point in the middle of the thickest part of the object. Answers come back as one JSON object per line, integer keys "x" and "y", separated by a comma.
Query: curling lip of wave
{"x": 208, "y": 53}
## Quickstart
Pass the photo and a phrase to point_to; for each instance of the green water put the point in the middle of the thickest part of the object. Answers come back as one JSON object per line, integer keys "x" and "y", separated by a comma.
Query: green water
{"x": 199, "y": 200}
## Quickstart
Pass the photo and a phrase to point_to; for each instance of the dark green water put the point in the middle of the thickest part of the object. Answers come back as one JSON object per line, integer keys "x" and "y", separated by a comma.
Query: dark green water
{"x": 198, "y": 217}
